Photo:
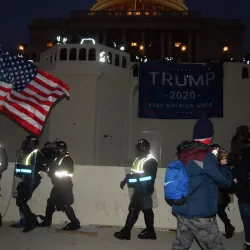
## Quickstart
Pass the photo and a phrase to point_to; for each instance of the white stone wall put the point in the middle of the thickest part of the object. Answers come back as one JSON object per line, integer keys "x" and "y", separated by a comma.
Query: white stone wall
{"x": 99, "y": 199}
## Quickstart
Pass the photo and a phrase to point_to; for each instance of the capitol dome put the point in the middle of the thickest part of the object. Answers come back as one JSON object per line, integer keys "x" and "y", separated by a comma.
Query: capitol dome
{"x": 139, "y": 5}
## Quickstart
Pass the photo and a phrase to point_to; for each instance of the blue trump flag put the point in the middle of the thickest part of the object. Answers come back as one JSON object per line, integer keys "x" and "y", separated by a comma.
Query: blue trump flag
{"x": 180, "y": 91}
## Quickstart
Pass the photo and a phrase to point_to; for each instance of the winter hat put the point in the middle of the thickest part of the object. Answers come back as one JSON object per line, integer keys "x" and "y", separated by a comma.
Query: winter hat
{"x": 203, "y": 129}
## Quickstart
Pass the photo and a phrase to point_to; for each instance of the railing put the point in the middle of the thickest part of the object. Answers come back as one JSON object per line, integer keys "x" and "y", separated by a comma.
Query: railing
{"x": 84, "y": 53}
{"x": 80, "y": 14}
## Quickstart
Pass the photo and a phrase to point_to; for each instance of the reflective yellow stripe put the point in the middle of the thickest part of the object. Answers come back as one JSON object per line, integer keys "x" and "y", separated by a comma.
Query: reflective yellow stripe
{"x": 138, "y": 164}
{"x": 60, "y": 162}
{"x": 27, "y": 158}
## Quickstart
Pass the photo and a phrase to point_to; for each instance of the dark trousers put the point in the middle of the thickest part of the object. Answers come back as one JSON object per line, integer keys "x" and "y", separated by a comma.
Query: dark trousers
{"x": 25, "y": 190}
{"x": 221, "y": 212}
{"x": 245, "y": 216}
{"x": 61, "y": 199}
{"x": 140, "y": 202}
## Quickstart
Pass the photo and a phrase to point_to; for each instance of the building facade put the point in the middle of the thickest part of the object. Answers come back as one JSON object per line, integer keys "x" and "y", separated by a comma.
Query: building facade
{"x": 146, "y": 29}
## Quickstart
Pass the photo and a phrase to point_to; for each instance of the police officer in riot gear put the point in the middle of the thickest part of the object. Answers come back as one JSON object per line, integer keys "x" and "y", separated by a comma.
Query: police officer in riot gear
{"x": 223, "y": 195}
{"x": 61, "y": 196}
{"x": 28, "y": 172}
{"x": 142, "y": 179}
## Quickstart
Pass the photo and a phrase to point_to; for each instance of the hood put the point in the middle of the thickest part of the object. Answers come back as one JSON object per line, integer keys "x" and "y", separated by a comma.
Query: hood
{"x": 192, "y": 150}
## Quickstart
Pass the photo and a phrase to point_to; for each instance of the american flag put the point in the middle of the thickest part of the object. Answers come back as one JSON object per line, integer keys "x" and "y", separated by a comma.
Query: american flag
{"x": 26, "y": 92}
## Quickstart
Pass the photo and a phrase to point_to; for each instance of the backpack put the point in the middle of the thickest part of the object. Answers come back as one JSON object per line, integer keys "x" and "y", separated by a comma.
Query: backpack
{"x": 176, "y": 183}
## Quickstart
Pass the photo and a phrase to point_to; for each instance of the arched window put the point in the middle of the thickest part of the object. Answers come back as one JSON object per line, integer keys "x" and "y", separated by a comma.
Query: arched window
{"x": 92, "y": 55}
{"x": 82, "y": 54}
{"x": 63, "y": 54}
{"x": 72, "y": 54}
{"x": 117, "y": 60}
{"x": 124, "y": 62}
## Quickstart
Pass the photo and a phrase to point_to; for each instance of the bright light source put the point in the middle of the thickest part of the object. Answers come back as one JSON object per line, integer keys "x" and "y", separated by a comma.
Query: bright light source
{"x": 141, "y": 47}
{"x": 122, "y": 48}
{"x": 225, "y": 48}
{"x": 21, "y": 47}
{"x": 87, "y": 41}
{"x": 133, "y": 44}
{"x": 183, "y": 48}
{"x": 30, "y": 60}
{"x": 61, "y": 40}
{"x": 177, "y": 45}
{"x": 114, "y": 45}
{"x": 102, "y": 57}
{"x": 49, "y": 44}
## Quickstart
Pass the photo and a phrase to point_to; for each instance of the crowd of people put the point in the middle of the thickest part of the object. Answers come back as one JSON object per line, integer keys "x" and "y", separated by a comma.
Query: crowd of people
{"x": 208, "y": 174}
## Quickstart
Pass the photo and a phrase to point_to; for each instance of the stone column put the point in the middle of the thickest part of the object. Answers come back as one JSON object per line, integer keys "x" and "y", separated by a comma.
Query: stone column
{"x": 170, "y": 45}
{"x": 190, "y": 47}
{"x": 162, "y": 45}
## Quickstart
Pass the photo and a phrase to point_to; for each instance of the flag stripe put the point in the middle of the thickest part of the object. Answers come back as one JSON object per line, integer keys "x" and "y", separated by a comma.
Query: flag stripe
{"x": 20, "y": 116}
{"x": 40, "y": 92}
{"x": 27, "y": 109}
{"x": 42, "y": 82}
{"x": 41, "y": 108}
{"x": 52, "y": 81}
{"x": 38, "y": 97}
{"x": 46, "y": 87}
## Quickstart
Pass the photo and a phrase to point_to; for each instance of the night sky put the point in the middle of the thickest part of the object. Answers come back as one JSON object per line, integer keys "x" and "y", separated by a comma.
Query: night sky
{"x": 16, "y": 14}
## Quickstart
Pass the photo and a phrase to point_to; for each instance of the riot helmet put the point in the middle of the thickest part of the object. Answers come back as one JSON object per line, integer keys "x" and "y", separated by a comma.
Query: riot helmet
{"x": 30, "y": 143}
{"x": 61, "y": 147}
{"x": 243, "y": 132}
{"x": 142, "y": 147}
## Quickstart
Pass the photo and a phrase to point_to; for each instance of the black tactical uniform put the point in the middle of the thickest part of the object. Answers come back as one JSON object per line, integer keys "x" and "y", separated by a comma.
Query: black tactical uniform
{"x": 223, "y": 196}
{"x": 61, "y": 196}
{"x": 143, "y": 171}
{"x": 28, "y": 170}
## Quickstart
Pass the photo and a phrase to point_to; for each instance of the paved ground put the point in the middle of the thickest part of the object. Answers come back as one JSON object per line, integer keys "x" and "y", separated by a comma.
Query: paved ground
{"x": 49, "y": 239}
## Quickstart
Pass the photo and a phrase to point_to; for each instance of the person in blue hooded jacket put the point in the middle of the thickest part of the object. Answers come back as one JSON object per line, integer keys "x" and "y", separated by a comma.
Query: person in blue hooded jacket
{"x": 196, "y": 218}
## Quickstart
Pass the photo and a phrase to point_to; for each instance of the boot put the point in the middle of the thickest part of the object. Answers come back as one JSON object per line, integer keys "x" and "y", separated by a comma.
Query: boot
{"x": 45, "y": 223}
{"x": 147, "y": 234}
{"x": 72, "y": 226}
{"x": 124, "y": 234}
{"x": 18, "y": 224}
{"x": 30, "y": 219}
{"x": 229, "y": 228}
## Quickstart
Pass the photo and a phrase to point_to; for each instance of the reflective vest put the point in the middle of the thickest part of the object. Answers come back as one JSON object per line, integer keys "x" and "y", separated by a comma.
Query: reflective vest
{"x": 26, "y": 163}
{"x": 138, "y": 164}
{"x": 61, "y": 173}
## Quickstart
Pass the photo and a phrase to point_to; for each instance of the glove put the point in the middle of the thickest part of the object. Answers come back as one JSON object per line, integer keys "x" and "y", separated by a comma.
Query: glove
{"x": 123, "y": 183}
